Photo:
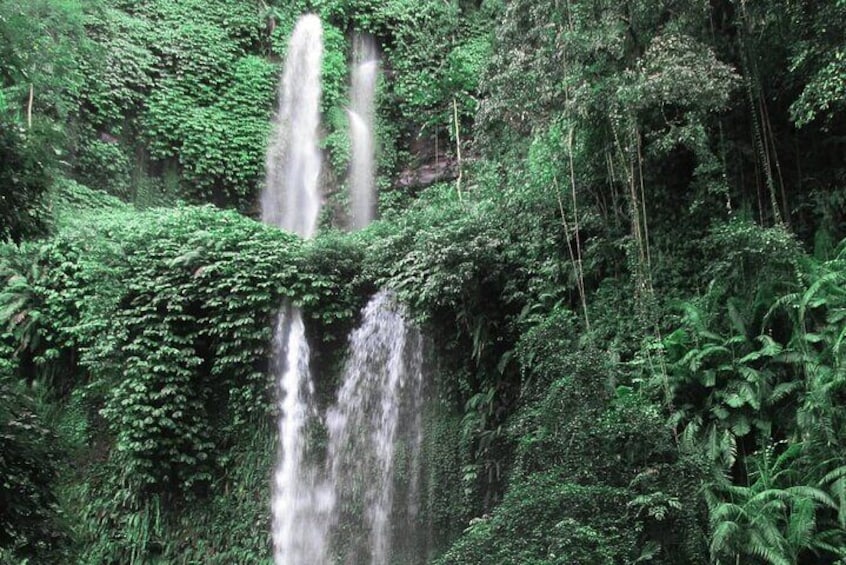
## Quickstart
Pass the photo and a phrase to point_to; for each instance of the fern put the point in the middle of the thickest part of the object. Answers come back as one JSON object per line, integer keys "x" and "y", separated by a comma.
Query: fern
{"x": 775, "y": 517}
{"x": 802, "y": 523}
{"x": 835, "y": 481}
{"x": 760, "y": 547}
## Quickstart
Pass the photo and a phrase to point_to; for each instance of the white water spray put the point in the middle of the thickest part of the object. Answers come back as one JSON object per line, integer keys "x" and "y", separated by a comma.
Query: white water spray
{"x": 361, "y": 115}
{"x": 301, "y": 502}
{"x": 291, "y": 201}
{"x": 319, "y": 509}
{"x": 373, "y": 415}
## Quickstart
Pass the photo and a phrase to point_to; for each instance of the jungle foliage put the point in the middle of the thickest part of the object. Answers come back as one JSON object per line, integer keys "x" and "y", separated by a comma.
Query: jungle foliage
{"x": 632, "y": 275}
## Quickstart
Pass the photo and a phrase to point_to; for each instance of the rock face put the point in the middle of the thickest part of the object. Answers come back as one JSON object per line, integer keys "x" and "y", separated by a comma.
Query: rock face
{"x": 429, "y": 163}
{"x": 443, "y": 169}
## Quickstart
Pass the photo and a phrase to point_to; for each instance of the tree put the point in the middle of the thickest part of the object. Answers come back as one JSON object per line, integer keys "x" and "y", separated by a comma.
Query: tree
{"x": 43, "y": 43}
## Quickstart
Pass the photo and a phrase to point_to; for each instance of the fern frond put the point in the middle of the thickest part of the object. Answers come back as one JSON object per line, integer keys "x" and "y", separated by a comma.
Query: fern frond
{"x": 833, "y": 475}
{"x": 762, "y": 548}
{"x": 831, "y": 541}
{"x": 786, "y": 303}
{"x": 722, "y": 536}
{"x": 769, "y": 348}
{"x": 727, "y": 512}
{"x": 802, "y": 523}
{"x": 810, "y": 299}
{"x": 702, "y": 354}
{"x": 782, "y": 391}
{"x": 838, "y": 342}
{"x": 813, "y": 494}
{"x": 786, "y": 457}
{"x": 767, "y": 503}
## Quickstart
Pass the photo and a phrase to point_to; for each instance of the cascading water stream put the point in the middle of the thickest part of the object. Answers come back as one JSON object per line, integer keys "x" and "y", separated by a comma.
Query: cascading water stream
{"x": 291, "y": 201}
{"x": 378, "y": 409}
{"x": 377, "y": 413}
{"x": 361, "y": 115}
{"x": 291, "y": 198}
{"x": 301, "y": 501}
{"x": 377, "y": 401}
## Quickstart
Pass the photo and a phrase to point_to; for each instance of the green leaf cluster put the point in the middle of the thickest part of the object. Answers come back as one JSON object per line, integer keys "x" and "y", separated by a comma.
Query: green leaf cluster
{"x": 166, "y": 316}
{"x": 24, "y": 182}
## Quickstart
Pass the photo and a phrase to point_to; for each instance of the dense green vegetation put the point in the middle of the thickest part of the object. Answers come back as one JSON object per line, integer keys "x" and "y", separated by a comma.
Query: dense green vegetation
{"x": 632, "y": 274}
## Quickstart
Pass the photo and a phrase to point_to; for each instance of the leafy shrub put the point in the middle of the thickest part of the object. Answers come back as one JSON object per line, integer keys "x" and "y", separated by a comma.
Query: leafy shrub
{"x": 167, "y": 314}
{"x": 104, "y": 165}
{"x": 44, "y": 44}
{"x": 74, "y": 203}
{"x": 817, "y": 62}
{"x": 611, "y": 437}
{"x": 546, "y": 520}
{"x": 120, "y": 72}
{"x": 180, "y": 125}
{"x": 752, "y": 263}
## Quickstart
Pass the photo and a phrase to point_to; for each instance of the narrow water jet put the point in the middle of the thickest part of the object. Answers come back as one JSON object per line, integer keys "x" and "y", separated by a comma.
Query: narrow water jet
{"x": 377, "y": 409}
{"x": 291, "y": 201}
{"x": 301, "y": 501}
{"x": 362, "y": 117}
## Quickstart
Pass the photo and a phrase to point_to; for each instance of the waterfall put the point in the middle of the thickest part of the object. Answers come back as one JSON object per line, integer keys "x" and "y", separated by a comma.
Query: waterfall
{"x": 301, "y": 501}
{"x": 376, "y": 412}
{"x": 291, "y": 201}
{"x": 361, "y": 116}
{"x": 345, "y": 504}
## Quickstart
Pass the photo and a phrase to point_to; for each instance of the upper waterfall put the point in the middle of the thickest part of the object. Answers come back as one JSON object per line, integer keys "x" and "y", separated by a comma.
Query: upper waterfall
{"x": 291, "y": 196}
{"x": 362, "y": 182}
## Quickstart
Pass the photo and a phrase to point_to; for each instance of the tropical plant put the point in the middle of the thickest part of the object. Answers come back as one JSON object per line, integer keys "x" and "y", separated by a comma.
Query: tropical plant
{"x": 774, "y": 519}
{"x": 725, "y": 389}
